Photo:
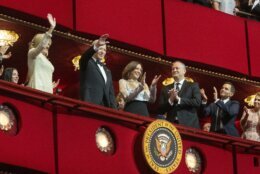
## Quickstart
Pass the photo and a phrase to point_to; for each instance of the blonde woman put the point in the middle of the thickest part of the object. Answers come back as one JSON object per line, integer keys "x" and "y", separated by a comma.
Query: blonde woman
{"x": 40, "y": 69}
{"x": 250, "y": 121}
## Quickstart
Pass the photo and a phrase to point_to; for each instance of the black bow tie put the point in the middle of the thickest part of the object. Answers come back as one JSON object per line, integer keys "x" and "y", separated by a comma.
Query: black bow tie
{"x": 99, "y": 63}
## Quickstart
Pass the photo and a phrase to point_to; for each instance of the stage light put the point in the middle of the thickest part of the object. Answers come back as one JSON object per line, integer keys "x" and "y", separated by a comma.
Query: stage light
{"x": 8, "y": 122}
{"x": 193, "y": 160}
{"x": 8, "y": 38}
{"x": 104, "y": 141}
{"x": 76, "y": 59}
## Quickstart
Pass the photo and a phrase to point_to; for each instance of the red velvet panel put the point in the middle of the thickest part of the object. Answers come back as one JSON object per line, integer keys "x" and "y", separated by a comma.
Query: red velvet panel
{"x": 135, "y": 22}
{"x": 254, "y": 43}
{"x": 203, "y": 35}
{"x": 247, "y": 160}
{"x": 211, "y": 156}
{"x": 61, "y": 9}
{"x": 78, "y": 152}
{"x": 33, "y": 146}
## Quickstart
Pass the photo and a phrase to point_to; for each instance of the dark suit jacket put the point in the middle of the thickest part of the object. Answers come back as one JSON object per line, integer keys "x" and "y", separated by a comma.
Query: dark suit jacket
{"x": 186, "y": 111}
{"x": 93, "y": 88}
{"x": 229, "y": 114}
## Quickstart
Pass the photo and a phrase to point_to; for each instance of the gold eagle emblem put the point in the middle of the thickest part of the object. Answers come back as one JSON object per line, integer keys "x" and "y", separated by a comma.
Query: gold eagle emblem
{"x": 163, "y": 148}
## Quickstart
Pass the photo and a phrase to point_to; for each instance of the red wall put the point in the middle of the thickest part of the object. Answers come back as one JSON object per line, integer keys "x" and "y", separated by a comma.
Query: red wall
{"x": 135, "y": 22}
{"x": 61, "y": 9}
{"x": 78, "y": 152}
{"x": 192, "y": 32}
{"x": 64, "y": 142}
{"x": 33, "y": 146}
{"x": 244, "y": 158}
{"x": 204, "y": 35}
{"x": 254, "y": 43}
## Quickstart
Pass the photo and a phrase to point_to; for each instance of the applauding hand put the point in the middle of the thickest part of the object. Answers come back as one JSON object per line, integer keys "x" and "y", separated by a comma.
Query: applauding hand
{"x": 155, "y": 80}
{"x": 143, "y": 79}
{"x": 203, "y": 95}
{"x": 173, "y": 93}
{"x": 55, "y": 84}
{"x": 215, "y": 93}
{"x": 7, "y": 56}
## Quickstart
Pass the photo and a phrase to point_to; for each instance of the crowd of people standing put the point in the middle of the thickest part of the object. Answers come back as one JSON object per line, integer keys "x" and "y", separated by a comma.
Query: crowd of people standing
{"x": 179, "y": 102}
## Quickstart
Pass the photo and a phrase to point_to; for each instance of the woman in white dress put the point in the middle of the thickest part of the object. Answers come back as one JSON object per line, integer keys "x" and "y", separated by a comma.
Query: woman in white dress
{"x": 40, "y": 69}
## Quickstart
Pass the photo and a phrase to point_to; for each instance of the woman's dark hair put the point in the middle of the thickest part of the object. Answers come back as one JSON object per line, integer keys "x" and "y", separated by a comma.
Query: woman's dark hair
{"x": 129, "y": 68}
{"x": 7, "y": 74}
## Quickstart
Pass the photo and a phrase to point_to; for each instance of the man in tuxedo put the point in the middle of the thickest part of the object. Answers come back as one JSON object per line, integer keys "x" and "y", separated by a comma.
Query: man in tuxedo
{"x": 223, "y": 110}
{"x": 180, "y": 100}
{"x": 96, "y": 85}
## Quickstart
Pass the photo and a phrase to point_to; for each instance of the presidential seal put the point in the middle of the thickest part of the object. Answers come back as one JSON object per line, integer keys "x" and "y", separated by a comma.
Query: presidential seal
{"x": 162, "y": 146}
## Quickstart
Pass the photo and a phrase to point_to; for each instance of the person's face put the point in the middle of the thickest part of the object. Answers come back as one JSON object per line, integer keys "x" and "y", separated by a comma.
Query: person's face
{"x": 136, "y": 73}
{"x": 15, "y": 76}
{"x": 178, "y": 71}
{"x": 257, "y": 102}
{"x": 102, "y": 50}
{"x": 225, "y": 91}
{"x": 206, "y": 127}
{"x": 45, "y": 51}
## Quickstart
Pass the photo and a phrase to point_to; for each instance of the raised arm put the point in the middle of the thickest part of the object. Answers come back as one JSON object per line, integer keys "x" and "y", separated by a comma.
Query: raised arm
{"x": 46, "y": 38}
{"x": 87, "y": 55}
{"x": 5, "y": 56}
{"x": 3, "y": 50}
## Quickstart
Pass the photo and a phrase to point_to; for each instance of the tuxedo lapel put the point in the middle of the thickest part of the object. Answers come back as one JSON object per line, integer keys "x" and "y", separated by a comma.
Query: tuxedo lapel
{"x": 183, "y": 88}
{"x": 108, "y": 74}
{"x": 97, "y": 68}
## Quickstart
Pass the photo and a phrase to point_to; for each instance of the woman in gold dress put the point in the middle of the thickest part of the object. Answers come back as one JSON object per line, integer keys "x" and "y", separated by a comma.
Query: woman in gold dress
{"x": 250, "y": 121}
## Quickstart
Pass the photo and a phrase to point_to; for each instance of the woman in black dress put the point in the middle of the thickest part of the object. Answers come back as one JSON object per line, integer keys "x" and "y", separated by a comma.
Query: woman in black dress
{"x": 134, "y": 89}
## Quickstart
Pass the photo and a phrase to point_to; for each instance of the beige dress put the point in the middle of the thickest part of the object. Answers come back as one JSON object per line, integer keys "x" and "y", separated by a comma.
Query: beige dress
{"x": 251, "y": 126}
{"x": 40, "y": 69}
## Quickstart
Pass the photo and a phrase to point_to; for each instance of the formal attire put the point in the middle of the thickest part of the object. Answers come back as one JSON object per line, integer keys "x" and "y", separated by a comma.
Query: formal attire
{"x": 206, "y": 3}
{"x": 184, "y": 111}
{"x": 223, "y": 115}
{"x": 226, "y": 6}
{"x": 96, "y": 84}
{"x": 40, "y": 69}
{"x": 251, "y": 126}
{"x": 136, "y": 97}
